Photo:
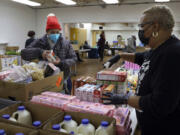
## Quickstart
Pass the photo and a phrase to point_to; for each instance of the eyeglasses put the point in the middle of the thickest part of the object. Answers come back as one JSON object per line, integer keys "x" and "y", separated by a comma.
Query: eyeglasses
{"x": 143, "y": 24}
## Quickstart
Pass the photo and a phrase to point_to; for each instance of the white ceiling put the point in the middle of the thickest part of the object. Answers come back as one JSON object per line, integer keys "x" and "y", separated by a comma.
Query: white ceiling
{"x": 82, "y": 3}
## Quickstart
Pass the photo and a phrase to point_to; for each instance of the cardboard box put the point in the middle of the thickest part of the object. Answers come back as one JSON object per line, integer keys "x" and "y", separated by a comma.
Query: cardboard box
{"x": 77, "y": 116}
{"x": 38, "y": 113}
{"x": 24, "y": 92}
{"x": 12, "y": 129}
{"x": 45, "y": 132}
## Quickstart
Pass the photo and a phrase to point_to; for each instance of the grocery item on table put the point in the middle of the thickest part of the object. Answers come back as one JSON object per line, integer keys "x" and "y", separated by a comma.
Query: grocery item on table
{"x": 37, "y": 123}
{"x": 18, "y": 75}
{"x": 7, "y": 117}
{"x": 57, "y": 127}
{"x": 86, "y": 128}
{"x": 69, "y": 125}
{"x": 103, "y": 129}
{"x": 2, "y": 132}
{"x": 59, "y": 96}
{"x": 112, "y": 76}
{"x": 51, "y": 57}
{"x": 4, "y": 74}
{"x": 82, "y": 81}
{"x": 50, "y": 101}
{"x": 22, "y": 116}
{"x": 109, "y": 89}
{"x": 90, "y": 93}
{"x": 33, "y": 69}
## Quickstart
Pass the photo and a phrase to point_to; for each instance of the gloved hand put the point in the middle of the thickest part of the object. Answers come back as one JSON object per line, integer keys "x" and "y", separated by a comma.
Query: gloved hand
{"x": 112, "y": 61}
{"x": 116, "y": 99}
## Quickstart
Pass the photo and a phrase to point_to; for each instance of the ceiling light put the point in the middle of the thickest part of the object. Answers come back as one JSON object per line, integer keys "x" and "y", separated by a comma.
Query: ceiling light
{"x": 162, "y": 0}
{"x": 67, "y": 2}
{"x": 111, "y": 1}
{"x": 28, "y": 2}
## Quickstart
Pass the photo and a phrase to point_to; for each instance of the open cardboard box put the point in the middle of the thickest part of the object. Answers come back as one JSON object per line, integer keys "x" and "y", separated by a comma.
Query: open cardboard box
{"x": 38, "y": 113}
{"x": 24, "y": 92}
{"x": 45, "y": 132}
{"x": 78, "y": 116}
{"x": 12, "y": 129}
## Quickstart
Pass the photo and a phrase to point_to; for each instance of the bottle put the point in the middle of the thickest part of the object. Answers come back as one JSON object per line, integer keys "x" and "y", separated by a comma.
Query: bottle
{"x": 86, "y": 128}
{"x": 103, "y": 129}
{"x": 22, "y": 116}
{"x": 7, "y": 117}
{"x": 69, "y": 125}
{"x": 57, "y": 127}
{"x": 37, "y": 123}
{"x": 2, "y": 132}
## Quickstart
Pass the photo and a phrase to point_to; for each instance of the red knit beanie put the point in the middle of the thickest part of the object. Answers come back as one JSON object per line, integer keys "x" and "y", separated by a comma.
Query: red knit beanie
{"x": 52, "y": 22}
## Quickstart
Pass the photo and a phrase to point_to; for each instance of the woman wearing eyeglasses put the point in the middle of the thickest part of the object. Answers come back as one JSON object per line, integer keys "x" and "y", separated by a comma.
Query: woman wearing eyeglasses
{"x": 157, "y": 100}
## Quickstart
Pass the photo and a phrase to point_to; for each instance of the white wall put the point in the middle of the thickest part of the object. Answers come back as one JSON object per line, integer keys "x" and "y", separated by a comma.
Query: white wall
{"x": 15, "y": 21}
{"x": 123, "y": 13}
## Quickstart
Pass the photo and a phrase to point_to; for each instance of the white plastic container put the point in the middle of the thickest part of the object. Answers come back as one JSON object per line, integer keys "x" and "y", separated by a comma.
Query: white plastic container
{"x": 37, "y": 124}
{"x": 2, "y": 132}
{"x": 69, "y": 125}
{"x": 86, "y": 128}
{"x": 57, "y": 127}
{"x": 22, "y": 116}
{"x": 103, "y": 129}
{"x": 7, "y": 117}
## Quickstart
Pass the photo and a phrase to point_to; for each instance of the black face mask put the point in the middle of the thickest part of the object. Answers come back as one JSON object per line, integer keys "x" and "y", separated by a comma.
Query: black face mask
{"x": 144, "y": 40}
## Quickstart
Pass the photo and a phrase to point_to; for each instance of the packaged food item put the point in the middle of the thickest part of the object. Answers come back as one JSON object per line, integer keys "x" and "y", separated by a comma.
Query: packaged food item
{"x": 69, "y": 125}
{"x": 57, "y": 127}
{"x": 7, "y": 116}
{"x": 51, "y": 56}
{"x": 112, "y": 76}
{"x": 22, "y": 116}
{"x": 109, "y": 89}
{"x": 103, "y": 129}
{"x": 86, "y": 128}
{"x": 59, "y": 96}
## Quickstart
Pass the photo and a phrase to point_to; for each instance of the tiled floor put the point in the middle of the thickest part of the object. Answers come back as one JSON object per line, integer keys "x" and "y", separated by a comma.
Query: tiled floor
{"x": 91, "y": 67}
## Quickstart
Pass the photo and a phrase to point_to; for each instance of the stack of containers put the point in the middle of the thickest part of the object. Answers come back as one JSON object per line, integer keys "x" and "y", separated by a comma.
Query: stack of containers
{"x": 117, "y": 78}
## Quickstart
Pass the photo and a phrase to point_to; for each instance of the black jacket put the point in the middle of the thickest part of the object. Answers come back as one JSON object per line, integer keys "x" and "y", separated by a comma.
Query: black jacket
{"x": 159, "y": 89}
{"x": 63, "y": 49}
{"x": 28, "y": 42}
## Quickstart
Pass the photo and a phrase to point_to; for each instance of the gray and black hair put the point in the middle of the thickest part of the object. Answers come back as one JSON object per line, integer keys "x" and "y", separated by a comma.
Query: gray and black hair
{"x": 161, "y": 14}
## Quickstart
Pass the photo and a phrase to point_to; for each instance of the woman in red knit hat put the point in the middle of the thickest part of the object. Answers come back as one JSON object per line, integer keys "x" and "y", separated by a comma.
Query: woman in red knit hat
{"x": 52, "y": 40}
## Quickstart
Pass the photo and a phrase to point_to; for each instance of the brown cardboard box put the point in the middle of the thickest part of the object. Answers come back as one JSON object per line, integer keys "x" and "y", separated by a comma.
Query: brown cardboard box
{"x": 12, "y": 129}
{"x": 38, "y": 113}
{"x": 24, "y": 92}
{"x": 45, "y": 132}
{"x": 77, "y": 116}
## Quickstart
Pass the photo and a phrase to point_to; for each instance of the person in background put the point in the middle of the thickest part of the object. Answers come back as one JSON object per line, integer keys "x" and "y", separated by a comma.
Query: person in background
{"x": 106, "y": 45}
{"x": 53, "y": 40}
{"x": 101, "y": 45}
{"x": 86, "y": 46}
{"x": 131, "y": 46}
{"x": 31, "y": 35}
{"x": 157, "y": 99}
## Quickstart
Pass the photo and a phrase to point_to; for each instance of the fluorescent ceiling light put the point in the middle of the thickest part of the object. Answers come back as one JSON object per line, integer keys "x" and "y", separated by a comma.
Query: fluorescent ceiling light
{"x": 162, "y": 0}
{"x": 67, "y": 2}
{"x": 28, "y": 2}
{"x": 111, "y": 1}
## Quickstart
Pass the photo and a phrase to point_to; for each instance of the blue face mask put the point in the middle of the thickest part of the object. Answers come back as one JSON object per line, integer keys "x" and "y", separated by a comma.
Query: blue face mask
{"x": 54, "y": 37}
